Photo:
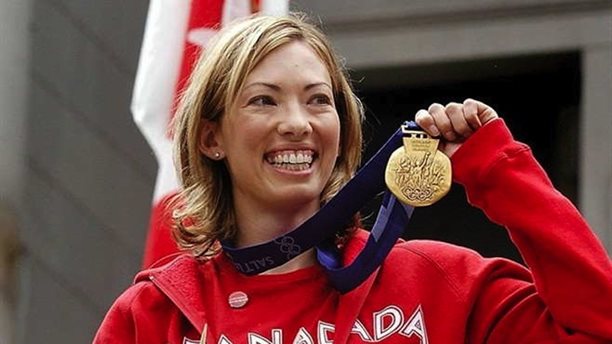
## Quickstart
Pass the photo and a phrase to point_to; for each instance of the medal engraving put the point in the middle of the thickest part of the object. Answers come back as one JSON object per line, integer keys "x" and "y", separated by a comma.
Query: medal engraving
{"x": 417, "y": 173}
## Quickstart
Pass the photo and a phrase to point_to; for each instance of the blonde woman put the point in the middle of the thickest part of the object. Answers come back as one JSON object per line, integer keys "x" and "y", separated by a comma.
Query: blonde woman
{"x": 268, "y": 131}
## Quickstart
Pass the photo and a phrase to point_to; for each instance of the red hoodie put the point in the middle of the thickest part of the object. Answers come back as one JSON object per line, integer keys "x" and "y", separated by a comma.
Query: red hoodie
{"x": 425, "y": 291}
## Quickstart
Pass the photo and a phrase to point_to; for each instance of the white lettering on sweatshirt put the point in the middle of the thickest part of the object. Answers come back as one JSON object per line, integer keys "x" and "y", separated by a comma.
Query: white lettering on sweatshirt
{"x": 388, "y": 322}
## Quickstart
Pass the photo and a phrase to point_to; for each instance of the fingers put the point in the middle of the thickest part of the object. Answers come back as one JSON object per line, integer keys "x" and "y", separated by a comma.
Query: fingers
{"x": 426, "y": 122}
{"x": 442, "y": 121}
{"x": 455, "y": 121}
{"x": 470, "y": 112}
{"x": 456, "y": 114}
{"x": 485, "y": 113}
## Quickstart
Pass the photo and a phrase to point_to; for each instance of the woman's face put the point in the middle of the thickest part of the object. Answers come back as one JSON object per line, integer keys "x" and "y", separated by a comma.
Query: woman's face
{"x": 281, "y": 137}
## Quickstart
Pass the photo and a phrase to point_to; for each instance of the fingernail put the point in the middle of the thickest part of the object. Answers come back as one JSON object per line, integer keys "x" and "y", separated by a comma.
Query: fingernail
{"x": 433, "y": 130}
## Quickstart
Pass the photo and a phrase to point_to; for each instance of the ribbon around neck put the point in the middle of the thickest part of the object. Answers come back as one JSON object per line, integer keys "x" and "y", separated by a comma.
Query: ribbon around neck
{"x": 319, "y": 230}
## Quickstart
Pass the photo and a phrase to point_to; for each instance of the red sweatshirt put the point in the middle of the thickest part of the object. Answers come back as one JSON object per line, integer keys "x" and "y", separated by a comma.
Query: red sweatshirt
{"x": 425, "y": 291}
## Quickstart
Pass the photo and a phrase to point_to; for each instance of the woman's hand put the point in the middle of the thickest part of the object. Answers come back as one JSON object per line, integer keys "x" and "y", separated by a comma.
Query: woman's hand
{"x": 455, "y": 122}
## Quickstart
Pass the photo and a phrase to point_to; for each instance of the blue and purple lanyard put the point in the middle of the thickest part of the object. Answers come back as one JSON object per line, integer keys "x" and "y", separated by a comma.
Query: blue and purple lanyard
{"x": 319, "y": 230}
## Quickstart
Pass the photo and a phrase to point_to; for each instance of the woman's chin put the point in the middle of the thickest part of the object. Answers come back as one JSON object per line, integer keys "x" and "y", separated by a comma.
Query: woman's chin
{"x": 296, "y": 197}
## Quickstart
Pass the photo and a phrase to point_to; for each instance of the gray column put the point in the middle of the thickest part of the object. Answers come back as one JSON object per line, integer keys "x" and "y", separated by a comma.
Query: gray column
{"x": 14, "y": 56}
{"x": 596, "y": 140}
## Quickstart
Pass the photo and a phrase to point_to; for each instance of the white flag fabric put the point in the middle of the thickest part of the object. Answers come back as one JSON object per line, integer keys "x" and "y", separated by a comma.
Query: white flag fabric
{"x": 175, "y": 32}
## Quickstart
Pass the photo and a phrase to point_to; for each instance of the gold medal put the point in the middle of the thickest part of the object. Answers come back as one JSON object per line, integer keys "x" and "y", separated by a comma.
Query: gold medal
{"x": 417, "y": 173}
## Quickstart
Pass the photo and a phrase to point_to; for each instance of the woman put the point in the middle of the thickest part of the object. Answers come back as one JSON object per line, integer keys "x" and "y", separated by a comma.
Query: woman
{"x": 268, "y": 131}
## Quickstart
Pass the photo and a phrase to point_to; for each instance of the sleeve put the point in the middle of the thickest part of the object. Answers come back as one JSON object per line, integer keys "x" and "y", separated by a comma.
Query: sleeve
{"x": 570, "y": 299}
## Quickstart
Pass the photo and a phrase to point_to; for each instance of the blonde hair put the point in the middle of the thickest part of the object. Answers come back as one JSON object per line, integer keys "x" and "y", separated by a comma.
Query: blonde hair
{"x": 203, "y": 210}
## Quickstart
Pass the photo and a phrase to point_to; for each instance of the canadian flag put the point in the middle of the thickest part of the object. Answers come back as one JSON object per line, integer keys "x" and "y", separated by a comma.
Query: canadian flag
{"x": 175, "y": 33}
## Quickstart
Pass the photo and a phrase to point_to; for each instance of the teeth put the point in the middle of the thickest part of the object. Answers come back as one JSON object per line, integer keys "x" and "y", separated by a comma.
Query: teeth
{"x": 292, "y": 160}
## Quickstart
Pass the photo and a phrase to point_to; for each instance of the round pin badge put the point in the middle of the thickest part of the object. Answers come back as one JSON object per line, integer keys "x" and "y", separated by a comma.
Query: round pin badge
{"x": 238, "y": 299}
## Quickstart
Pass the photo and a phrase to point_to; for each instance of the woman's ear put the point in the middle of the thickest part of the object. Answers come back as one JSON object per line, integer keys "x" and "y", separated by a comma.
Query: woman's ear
{"x": 209, "y": 140}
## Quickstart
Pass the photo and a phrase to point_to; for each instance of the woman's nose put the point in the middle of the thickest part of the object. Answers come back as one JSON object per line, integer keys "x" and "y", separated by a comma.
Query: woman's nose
{"x": 295, "y": 123}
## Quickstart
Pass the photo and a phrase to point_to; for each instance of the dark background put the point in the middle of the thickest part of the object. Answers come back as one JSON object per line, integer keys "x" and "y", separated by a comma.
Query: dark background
{"x": 538, "y": 97}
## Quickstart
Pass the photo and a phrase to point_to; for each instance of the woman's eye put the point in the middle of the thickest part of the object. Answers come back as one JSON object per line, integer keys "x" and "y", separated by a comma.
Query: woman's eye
{"x": 321, "y": 99}
{"x": 262, "y": 101}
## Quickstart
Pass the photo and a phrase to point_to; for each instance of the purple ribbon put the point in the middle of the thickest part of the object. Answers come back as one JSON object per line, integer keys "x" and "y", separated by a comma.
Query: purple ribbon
{"x": 389, "y": 226}
{"x": 319, "y": 230}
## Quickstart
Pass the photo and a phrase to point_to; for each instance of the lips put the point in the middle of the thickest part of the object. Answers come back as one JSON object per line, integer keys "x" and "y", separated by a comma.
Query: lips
{"x": 292, "y": 160}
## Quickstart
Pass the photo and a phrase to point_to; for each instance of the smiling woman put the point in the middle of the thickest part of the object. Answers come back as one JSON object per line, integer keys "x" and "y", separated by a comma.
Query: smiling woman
{"x": 284, "y": 114}
{"x": 278, "y": 86}
{"x": 267, "y": 132}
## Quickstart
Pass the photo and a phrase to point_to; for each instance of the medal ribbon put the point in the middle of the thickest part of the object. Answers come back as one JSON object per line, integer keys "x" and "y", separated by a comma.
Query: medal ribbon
{"x": 389, "y": 226}
{"x": 319, "y": 230}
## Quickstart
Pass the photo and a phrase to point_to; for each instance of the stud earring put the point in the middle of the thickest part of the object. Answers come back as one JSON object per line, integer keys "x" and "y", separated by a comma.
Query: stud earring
{"x": 217, "y": 155}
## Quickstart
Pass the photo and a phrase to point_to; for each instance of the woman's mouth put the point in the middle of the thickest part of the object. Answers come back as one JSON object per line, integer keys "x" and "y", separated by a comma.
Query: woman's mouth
{"x": 291, "y": 160}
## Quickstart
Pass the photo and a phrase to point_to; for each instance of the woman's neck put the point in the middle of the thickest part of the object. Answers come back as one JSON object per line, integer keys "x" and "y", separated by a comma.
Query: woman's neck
{"x": 256, "y": 226}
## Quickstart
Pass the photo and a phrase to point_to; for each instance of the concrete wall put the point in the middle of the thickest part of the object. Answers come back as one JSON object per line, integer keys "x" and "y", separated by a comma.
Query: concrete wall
{"x": 14, "y": 62}
{"x": 89, "y": 174}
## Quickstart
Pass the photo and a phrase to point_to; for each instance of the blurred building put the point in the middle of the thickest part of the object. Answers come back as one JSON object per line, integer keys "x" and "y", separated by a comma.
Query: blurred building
{"x": 78, "y": 177}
